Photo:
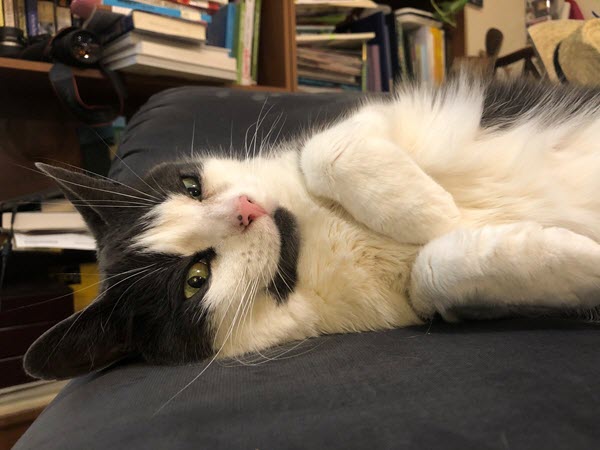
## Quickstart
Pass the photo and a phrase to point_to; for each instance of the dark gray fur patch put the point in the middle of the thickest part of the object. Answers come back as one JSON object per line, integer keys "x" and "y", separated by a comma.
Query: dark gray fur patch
{"x": 141, "y": 312}
{"x": 285, "y": 280}
{"x": 506, "y": 103}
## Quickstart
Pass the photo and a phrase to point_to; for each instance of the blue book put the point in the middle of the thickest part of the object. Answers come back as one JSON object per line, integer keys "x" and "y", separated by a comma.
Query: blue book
{"x": 164, "y": 11}
{"x": 220, "y": 32}
{"x": 376, "y": 23}
{"x": 230, "y": 33}
{"x": 33, "y": 24}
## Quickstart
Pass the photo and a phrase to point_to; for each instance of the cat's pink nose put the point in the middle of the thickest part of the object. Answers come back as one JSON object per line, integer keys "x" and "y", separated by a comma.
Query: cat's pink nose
{"x": 248, "y": 211}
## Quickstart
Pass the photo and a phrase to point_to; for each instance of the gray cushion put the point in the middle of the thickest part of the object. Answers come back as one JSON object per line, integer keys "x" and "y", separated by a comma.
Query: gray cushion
{"x": 511, "y": 384}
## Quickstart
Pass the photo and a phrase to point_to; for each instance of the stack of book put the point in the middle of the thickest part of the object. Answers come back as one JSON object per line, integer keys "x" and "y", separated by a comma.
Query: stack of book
{"x": 360, "y": 45}
{"x": 421, "y": 46}
{"x": 56, "y": 225}
{"x": 161, "y": 37}
{"x": 50, "y": 274}
{"x": 329, "y": 60}
{"x": 236, "y": 27}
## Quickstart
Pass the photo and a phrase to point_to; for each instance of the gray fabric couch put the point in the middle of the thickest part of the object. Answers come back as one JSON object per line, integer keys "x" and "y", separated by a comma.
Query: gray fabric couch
{"x": 506, "y": 384}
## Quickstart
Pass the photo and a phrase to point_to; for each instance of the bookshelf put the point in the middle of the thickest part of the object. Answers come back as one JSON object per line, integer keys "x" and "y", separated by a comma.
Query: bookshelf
{"x": 29, "y": 95}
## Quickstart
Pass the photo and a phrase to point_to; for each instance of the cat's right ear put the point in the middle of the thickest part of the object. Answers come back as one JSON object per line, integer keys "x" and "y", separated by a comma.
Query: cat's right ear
{"x": 97, "y": 199}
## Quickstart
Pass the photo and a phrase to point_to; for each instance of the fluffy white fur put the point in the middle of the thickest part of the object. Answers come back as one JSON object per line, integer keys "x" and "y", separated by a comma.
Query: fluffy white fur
{"x": 405, "y": 208}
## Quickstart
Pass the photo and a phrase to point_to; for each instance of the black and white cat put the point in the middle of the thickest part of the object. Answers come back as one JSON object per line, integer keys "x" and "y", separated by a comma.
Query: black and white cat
{"x": 473, "y": 198}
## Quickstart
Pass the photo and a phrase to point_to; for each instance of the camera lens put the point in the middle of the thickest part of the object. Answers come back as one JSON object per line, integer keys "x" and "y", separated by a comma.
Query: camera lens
{"x": 85, "y": 48}
{"x": 77, "y": 48}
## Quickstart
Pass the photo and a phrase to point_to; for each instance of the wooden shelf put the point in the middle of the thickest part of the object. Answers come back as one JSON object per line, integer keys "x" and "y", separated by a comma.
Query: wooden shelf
{"x": 27, "y": 93}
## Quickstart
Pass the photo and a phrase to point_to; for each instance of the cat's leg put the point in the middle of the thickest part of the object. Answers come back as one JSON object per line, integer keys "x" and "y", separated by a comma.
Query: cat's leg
{"x": 357, "y": 164}
{"x": 505, "y": 269}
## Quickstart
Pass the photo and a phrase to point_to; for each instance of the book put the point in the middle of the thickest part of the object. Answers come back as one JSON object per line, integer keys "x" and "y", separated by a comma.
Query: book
{"x": 135, "y": 43}
{"x": 327, "y": 76}
{"x": 412, "y": 18}
{"x": 376, "y": 25}
{"x": 220, "y": 31}
{"x": 157, "y": 66}
{"x": 73, "y": 241}
{"x": 140, "y": 53}
{"x": 246, "y": 42}
{"x": 314, "y": 29}
{"x": 29, "y": 221}
{"x": 82, "y": 278}
{"x": 25, "y": 397}
{"x": 63, "y": 17}
{"x": 33, "y": 26}
{"x": 255, "y": 42}
{"x": 57, "y": 205}
{"x": 46, "y": 17}
{"x": 10, "y": 15}
{"x": 239, "y": 46}
{"x": 21, "y": 15}
{"x": 130, "y": 5}
{"x": 374, "y": 68}
{"x": 109, "y": 25}
{"x": 339, "y": 40}
{"x": 332, "y": 5}
{"x": 187, "y": 12}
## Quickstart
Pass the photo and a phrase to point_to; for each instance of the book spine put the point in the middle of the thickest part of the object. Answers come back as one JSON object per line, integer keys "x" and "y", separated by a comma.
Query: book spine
{"x": 401, "y": 50}
{"x": 230, "y": 27}
{"x": 216, "y": 31}
{"x": 63, "y": 17}
{"x": 187, "y": 12}
{"x": 151, "y": 8}
{"x": 21, "y": 15}
{"x": 364, "y": 68}
{"x": 1, "y": 14}
{"x": 10, "y": 19}
{"x": 248, "y": 19}
{"x": 241, "y": 10}
{"x": 256, "y": 40}
{"x": 46, "y": 20}
{"x": 33, "y": 25}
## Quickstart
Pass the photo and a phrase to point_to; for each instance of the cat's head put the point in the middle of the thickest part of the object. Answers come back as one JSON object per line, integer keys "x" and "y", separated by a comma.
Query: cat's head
{"x": 182, "y": 252}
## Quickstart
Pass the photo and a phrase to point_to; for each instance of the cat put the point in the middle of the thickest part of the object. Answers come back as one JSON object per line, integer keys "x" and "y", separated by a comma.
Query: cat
{"x": 478, "y": 198}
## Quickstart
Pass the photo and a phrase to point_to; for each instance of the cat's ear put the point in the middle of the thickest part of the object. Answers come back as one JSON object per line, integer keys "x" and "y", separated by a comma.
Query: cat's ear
{"x": 99, "y": 200}
{"x": 87, "y": 341}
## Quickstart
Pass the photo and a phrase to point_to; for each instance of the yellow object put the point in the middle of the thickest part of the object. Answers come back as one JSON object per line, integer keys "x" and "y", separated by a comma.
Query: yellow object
{"x": 86, "y": 291}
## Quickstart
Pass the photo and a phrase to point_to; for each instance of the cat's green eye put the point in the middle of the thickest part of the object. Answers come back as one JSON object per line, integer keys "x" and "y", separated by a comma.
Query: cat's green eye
{"x": 192, "y": 185}
{"x": 196, "y": 277}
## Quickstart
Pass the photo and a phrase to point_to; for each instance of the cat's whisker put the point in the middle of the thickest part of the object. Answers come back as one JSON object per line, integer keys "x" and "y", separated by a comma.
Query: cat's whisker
{"x": 81, "y": 289}
{"x": 124, "y": 163}
{"x": 51, "y": 353}
{"x": 212, "y": 360}
{"x": 266, "y": 137}
{"x": 231, "y": 300}
{"x": 193, "y": 136}
{"x": 146, "y": 273}
{"x": 141, "y": 199}
{"x": 81, "y": 169}
{"x": 39, "y": 172}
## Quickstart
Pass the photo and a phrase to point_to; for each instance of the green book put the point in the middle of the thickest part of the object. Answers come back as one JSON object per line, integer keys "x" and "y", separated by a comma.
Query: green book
{"x": 256, "y": 41}
{"x": 239, "y": 44}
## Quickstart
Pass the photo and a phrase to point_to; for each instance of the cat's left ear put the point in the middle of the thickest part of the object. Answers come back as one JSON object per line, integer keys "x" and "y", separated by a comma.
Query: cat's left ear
{"x": 87, "y": 341}
{"x": 97, "y": 199}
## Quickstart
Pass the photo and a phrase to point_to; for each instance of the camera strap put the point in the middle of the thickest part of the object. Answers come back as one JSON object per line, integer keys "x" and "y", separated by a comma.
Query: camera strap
{"x": 65, "y": 86}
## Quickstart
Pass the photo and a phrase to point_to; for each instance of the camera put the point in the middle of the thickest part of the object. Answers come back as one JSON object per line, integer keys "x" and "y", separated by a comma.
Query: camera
{"x": 71, "y": 46}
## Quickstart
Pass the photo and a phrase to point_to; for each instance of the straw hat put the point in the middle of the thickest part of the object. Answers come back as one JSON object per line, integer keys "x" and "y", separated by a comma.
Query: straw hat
{"x": 569, "y": 49}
